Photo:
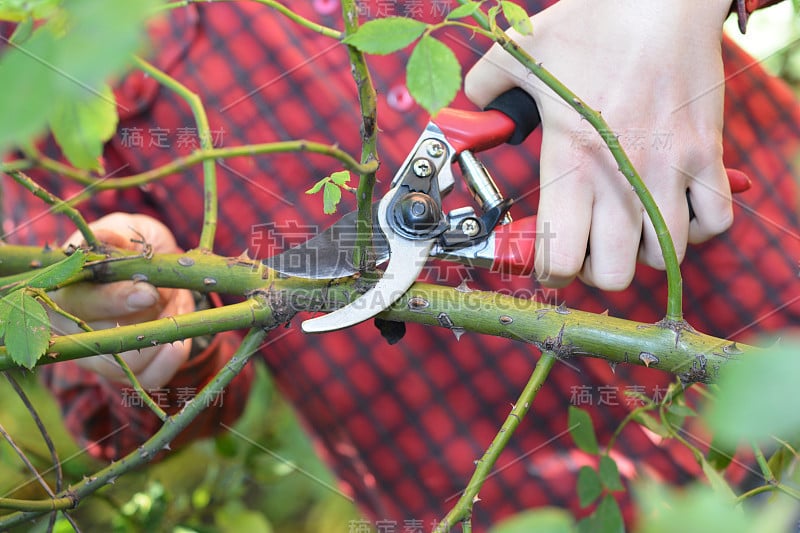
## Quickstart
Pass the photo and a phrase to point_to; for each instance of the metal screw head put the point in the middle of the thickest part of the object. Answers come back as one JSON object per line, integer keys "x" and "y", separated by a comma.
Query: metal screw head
{"x": 470, "y": 227}
{"x": 422, "y": 167}
{"x": 435, "y": 149}
{"x": 417, "y": 213}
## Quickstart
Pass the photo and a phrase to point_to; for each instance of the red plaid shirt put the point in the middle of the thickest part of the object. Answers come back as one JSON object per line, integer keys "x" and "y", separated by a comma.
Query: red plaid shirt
{"x": 403, "y": 424}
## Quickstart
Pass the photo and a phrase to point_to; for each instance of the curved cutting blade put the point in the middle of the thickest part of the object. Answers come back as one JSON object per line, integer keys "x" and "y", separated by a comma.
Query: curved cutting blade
{"x": 407, "y": 258}
{"x": 329, "y": 255}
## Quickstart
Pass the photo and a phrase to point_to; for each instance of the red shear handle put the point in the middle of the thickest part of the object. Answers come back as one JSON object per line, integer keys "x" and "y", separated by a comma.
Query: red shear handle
{"x": 513, "y": 247}
{"x": 738, "y": 180}
{"x": 510, "y": 118}
{"x": 474, "y": 130}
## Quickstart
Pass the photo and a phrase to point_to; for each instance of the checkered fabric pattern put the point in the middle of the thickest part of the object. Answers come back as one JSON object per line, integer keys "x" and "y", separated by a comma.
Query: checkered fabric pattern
{"x": 401, "y": 425}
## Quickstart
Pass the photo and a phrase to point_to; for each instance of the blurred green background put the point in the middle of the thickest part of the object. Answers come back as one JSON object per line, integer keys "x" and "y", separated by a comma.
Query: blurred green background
{"x": 225, "y": 484}
{"x": 773, "y": 38}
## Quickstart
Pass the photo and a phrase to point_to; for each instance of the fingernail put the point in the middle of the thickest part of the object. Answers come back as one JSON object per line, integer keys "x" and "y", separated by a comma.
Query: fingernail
{"x": 142, "y": 297}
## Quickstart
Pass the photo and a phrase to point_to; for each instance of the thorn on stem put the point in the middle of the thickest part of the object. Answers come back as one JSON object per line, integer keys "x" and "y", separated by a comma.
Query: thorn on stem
{"x": 648, "y": 359}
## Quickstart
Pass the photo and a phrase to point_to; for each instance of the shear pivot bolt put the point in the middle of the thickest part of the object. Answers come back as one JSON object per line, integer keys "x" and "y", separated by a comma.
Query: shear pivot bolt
{"x": 422, "y": 168}
{"x": 470, "y": 227}
{"x": 418, "y": 213}
{"x": 435, "y": 149}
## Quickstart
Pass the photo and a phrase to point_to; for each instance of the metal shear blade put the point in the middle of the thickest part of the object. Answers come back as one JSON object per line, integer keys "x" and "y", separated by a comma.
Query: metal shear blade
{"x": 396, "y": 280}
{"x": 329, "y": 255}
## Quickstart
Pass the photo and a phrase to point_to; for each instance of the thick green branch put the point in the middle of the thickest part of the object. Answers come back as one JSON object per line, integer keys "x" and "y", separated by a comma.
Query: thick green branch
{"x": 210, "y": 200}
{"x": 462, "y": 511}
{"x": 367, "y": 99}
{"x": 250, "y": 313}
{"x": 566, "y": 332}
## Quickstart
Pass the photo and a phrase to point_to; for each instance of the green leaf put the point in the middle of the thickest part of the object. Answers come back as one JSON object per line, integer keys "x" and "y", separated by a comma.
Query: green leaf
{"x": 582, "y": 431}
{"x": 608, "y": 517}
{"x": 32, "y": 84}
{"x": 589, "y": 486}
{"x": 341, "y": 177}
{"x": 27, "y": 329}
{"x": 331, "y": 195}
{"x": 717, "y": 482}
{"x": 675, "y": 415}
{"x": 541, "y": 520}
{"x": 681, "y": 410}
{"x": 696, "y": 508}
{"x": 50, "y": 277}
{"x": 318, "y": 185}
{"x": 23, "y": 31}
{"x": 117, "y": 24}
{"x": 433, "y": 74}
{"x": 517, "y": 17}
{"x": 756, "y": 395}
{"x": 651, "y": 423}
{"x": 465, "y": 10}
{"x": 81, "y": 127}
{"x": 386, "y": 35}
{"x": 4, "y": 309}
{"x": 779, "y": 463}
{"x": 609, "y": 473}
{"x": 492, "y": 14}
{"x": 19, "y": 10}
{"x": 235, "y": 517}
{"x": 719, "y": 456}
{"x": 54, "y": 68}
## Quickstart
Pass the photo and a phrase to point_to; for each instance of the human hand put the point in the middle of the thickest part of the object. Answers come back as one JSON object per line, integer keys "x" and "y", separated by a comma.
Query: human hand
{"x": 654, "y": 71}
{"x": 127, "y": 302}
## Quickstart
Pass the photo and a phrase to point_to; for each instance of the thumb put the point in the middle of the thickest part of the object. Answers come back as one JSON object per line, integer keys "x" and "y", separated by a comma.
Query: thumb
{"x": 119, "y": 301}
{"x": 491, "y": 76}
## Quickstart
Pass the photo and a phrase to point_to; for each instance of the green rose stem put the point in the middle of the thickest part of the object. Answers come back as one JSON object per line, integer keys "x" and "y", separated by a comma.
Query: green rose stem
{"x": 210, "y": 199}
{"x": 59, "y": 206}
{"x": 367, "y": 99}
{"x": 674, "y": 316}
{"x": 462, "y": 511}
{"x": 277, "y": 6}
{"x": 94, "y": 184}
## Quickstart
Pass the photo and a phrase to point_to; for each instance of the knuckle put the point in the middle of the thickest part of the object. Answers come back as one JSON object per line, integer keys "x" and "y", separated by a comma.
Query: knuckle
{"x": 555, "y": 268}
{"x": 720, "y": 222}
{"x": 613, "y": 281}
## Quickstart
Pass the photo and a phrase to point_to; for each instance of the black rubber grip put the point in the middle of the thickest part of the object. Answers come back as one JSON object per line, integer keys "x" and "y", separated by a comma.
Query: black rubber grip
{"x": 520, "y": 107}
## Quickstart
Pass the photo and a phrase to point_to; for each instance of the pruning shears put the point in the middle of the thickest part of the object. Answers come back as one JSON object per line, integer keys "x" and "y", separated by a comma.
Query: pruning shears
{"x": 411, "y": 225}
